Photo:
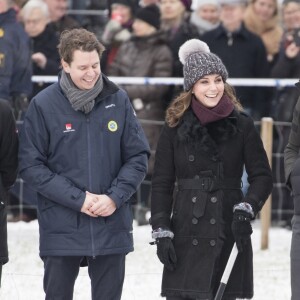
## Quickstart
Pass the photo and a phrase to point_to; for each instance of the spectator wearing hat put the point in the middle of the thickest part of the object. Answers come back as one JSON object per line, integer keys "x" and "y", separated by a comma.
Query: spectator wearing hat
{"x": 175, "y": 20}
{"x": 204, "y": 145}
{"x": 242, "y": 52}
{"x": 117, "y": 30}
{"x": 206, "y": 15}
{"x": 146, "y": 54}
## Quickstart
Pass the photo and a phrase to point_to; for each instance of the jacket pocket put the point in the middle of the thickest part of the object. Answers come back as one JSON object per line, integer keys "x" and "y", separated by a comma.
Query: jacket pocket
{"x": 121, "y": 219}
{"x": 56, "y": 219}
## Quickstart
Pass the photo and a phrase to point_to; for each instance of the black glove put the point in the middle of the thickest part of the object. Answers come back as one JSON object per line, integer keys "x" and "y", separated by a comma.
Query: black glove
{"x": 166, "y": 252}
{"x": 241, "y": 228}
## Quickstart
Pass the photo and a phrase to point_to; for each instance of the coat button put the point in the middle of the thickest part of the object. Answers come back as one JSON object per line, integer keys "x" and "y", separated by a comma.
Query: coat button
{"x": 195, "y": 221}
{"x": 191, "y": 158}
{"x": 194, "y": 199}
{"x": 175, "y": 212}
{"x": 212, "y": 243}
{"x": 213, "y": 199}
{"x": 195, "y": 242}
{"x": 212, "y": 221}
{"x": 196, "y": 177}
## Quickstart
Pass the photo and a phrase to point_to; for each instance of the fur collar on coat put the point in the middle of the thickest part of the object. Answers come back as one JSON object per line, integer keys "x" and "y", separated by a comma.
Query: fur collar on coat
{"x": 206, "y": 138}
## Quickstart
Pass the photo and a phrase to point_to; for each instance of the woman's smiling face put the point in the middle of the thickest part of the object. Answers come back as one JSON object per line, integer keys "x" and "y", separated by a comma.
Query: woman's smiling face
{"x": 209, "y": 90}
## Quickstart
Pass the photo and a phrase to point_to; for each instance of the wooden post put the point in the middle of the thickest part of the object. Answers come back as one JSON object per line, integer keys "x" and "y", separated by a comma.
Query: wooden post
{"x": 265, "y": 214}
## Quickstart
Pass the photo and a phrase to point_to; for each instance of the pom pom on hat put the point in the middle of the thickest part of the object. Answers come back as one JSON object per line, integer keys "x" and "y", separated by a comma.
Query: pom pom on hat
{"x": 198, "y": 62}
{"x": 190, "y": 47}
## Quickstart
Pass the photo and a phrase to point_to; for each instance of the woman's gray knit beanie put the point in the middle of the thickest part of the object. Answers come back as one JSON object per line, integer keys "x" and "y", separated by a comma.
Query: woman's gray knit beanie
{"x": 198, "y": 62}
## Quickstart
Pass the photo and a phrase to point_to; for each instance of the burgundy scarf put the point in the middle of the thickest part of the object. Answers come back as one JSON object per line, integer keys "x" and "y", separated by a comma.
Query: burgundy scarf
{"x": 208, "y": 115}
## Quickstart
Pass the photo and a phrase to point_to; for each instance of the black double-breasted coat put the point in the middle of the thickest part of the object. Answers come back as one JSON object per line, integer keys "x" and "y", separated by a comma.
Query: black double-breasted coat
{"x": 196, "y": 183}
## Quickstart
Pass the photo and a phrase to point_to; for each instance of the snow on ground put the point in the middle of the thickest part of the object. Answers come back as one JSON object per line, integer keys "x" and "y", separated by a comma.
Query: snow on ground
{"x": 23, "y": 275}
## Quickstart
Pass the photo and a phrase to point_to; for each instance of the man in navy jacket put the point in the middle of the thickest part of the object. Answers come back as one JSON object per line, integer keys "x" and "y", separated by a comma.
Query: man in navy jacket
{"x": 83, "y": 150}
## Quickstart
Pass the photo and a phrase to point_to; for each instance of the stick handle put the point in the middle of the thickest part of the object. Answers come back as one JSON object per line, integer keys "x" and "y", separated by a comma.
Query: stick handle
{"x": 227, "y": 271}
{"x": 230, "y": 263}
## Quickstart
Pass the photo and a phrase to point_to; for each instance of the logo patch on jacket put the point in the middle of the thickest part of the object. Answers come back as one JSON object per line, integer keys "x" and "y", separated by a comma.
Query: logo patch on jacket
{"x": 2, "y": 60}
{"x": 112, "y": 126}
{"x": 68, "y": 127}
{"x": 1, "y": 32}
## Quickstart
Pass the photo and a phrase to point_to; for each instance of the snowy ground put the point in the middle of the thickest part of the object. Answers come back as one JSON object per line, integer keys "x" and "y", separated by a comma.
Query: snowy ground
{"x": 23, "y": 275}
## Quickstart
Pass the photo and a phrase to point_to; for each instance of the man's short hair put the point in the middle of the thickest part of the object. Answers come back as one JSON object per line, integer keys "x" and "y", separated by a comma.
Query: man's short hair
{"x": 78, "y": 39}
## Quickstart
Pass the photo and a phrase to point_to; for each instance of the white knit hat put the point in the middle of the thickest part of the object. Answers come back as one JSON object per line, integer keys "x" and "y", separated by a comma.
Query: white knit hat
{"x": 198, "y": 62}
{"x": 199, "y": 3}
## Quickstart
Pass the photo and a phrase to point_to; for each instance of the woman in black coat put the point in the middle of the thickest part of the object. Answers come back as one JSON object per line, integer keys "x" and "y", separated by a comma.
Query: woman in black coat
{"x": 8, "y": 170}
{"x": 198, "y": 209}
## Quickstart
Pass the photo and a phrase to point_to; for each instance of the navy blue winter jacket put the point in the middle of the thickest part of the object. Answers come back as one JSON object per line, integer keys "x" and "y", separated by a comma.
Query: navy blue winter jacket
{"x": 64, "y": 153}
{"x": 15, "y": 57}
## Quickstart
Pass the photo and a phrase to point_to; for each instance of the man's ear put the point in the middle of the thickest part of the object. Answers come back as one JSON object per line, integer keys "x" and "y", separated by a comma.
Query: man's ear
{"x": 65, "y": 66}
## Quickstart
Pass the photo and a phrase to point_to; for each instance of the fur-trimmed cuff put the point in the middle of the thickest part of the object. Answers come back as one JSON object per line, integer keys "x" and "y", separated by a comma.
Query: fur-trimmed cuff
{"x": 244, "y": 206}
{"x": 161, "y": 233}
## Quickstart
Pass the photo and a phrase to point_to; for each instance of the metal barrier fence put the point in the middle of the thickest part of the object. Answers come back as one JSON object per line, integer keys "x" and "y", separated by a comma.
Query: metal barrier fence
{"x": 282, "y": 204}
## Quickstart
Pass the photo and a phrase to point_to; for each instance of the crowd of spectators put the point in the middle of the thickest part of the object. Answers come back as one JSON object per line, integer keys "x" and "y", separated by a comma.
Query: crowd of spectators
{"x": 254, "y": 39}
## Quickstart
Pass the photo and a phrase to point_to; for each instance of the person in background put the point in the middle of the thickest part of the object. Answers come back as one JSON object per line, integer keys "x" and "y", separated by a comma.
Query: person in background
{"x": 242, "y": 52}
{"x": 262, "y": 18}
{"x": 58, "y": 15}
{"x": 197, "y": 208}
{"x": 15, "y": 62}
{"x": 288, "y": 62}
{"x": 117, "y": 30}
{"x": 284, "y": 101}
{"x": 175, "y": 20}
{"x": 292, "y": 173}
{"x": 44, "y": 41}
{"x": 206, "y": 15}
{"x": 8, "y": 171}
{"x": 146, "y": 54}
{"x": 45, "y": 61}
{"x": 84, "y": 152}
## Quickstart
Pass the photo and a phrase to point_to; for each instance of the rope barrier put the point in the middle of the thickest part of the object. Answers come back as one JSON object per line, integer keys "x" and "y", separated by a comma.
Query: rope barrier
{"x": 263, "y": 82}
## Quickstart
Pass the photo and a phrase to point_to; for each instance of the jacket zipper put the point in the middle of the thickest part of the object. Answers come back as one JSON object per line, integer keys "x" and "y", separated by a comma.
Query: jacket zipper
{"x": 90, "y": 180}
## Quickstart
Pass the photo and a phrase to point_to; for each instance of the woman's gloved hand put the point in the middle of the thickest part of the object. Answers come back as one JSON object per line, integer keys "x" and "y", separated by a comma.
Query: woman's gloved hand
{"x": 241, "y": 226}
{"x": 166, "y": 253}
{"x": 165, "y": 248}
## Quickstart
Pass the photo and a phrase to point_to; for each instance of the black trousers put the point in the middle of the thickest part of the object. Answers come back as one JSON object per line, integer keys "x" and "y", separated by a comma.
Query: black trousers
{"x": 106, "y": 273}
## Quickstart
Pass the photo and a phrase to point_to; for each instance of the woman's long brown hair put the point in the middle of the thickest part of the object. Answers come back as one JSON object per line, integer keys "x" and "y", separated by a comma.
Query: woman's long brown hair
{"x": 181, "y": 103}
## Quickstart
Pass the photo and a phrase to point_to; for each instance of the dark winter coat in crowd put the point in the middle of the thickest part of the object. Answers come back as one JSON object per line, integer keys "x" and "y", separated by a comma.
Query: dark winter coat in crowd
{"x": 8, "y": 169}
{"x": 286, "y": 97}
{"x": 147, "y": 56}
{"x": 15, "y": 57}
{"x": 213, "y": 156}
{"x": 64, "y": 23}
{"x": 176, "y": 38}
{"x": 45, "y": 43}
{"x": 244, "y": 56}
{"x": 66, "y": 135}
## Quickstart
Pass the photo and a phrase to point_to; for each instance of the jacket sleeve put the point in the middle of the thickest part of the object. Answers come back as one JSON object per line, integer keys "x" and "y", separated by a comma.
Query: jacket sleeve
{"x": 257, "y": 168}
{"x": 135, "y": 153}
{"x": 163, "y": 180}
{"x": 291, "y": 152}
{"x": 33, "y": 152}
{"x": 8, "y": 145}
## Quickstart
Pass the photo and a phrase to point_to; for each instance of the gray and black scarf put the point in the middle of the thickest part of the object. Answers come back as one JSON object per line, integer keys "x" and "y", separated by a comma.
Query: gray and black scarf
{"x": 83, "y": 100}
